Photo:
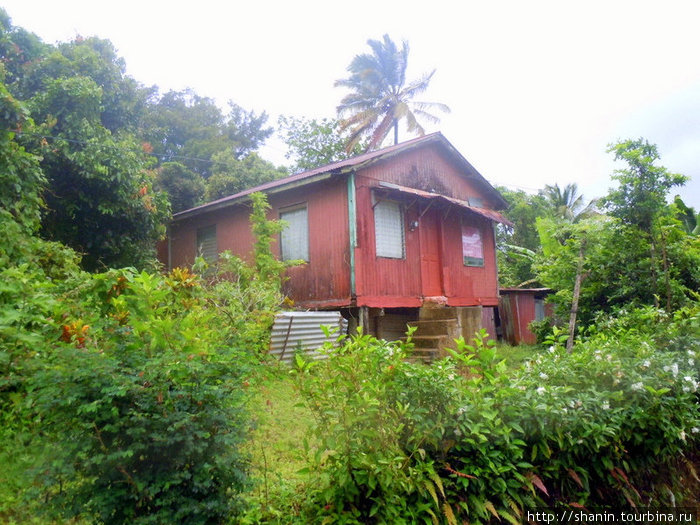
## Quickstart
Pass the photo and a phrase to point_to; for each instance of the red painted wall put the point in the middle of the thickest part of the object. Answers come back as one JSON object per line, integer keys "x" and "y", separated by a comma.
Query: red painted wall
{"x": 398, "y": 282}
{"x": 324, "y": 280}
{"x": 381, "y": 282}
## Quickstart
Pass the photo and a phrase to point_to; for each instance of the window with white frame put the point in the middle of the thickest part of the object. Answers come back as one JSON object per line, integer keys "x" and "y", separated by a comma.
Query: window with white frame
{"x": 389, "y": 230}
{"x": 206, "y": 243}
{"x": 294, "y": 241}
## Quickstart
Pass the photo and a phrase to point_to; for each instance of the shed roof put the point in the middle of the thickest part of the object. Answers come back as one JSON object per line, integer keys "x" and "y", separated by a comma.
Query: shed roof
{"x": 526, "y": 290}
{"x": 484, "y": 212}
{"x": 345, "y": 166}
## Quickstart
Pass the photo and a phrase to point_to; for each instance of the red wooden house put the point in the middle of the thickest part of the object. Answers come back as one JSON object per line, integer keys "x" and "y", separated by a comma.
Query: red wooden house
{"x": 402, "y": 234}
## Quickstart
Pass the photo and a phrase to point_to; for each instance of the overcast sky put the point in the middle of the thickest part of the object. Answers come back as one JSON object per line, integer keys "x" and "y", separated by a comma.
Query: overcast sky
{"x": 537, "y": 88}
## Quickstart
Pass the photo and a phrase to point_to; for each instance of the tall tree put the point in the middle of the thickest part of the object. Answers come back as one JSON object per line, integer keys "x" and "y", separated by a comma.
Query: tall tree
{"x": 232, "y": 175}
{"x": 99, "y": 197}
{"x": 187, "y": 128}
{"x": 639, "y": 201}
{"x": 313, "y": 143}
{"x": 566, "y": 203}
{"x": 380, "y": 97}
{"x": 185, "y": 188}
{"x": 640, "y": 197}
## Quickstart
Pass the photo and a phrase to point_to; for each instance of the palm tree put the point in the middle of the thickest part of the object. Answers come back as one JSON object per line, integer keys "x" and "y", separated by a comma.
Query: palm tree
{"x": 380, "y": 97}
{"x": 567, "y": 203}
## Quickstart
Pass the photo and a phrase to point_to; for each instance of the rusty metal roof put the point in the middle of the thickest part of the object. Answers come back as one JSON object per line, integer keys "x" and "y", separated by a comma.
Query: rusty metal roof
{"x": 525, "y": 290}
{"x": 484, "y": 212}
{"x": 347, "y": 165}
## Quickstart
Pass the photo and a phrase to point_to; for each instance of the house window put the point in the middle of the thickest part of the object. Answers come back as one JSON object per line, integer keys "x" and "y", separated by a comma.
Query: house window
{"x": 476, "y": 202}
{"x": 388, "y": 230}
{"x": 539, "y": 309}
{"x": 472, "y": 246}
{"x": 294, "y": 242}
{"x": 206, "y": 243}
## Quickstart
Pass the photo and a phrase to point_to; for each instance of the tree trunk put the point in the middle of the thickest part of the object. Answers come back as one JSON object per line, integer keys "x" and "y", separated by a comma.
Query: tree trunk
{"x": 396, "y": 132}
{"x": 574, "y": 300}
{"x": 664, "y": 260}
{"x": 654, "y": 278}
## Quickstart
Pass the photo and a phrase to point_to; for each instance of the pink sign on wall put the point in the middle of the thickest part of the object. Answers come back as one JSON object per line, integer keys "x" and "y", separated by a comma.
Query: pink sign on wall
{"x": 472, "y": 246}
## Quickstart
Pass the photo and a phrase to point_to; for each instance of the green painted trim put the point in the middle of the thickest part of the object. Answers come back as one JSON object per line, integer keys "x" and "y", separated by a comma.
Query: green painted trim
{"x": 352, "y": 228}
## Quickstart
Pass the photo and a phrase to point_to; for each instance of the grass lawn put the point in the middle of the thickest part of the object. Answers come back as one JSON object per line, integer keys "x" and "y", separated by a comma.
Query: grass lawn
{"x": 281, "y": 425}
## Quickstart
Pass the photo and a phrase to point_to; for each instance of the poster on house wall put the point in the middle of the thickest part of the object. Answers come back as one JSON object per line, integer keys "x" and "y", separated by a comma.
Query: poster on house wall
{"x": 472, "y": 246}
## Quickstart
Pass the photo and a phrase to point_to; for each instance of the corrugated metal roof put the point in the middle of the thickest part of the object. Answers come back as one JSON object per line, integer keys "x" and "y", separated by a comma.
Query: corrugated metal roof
{"x": 484, "y": 212}
{"x": 342, "y": 166}
{"x": 524, "y": 290}
{"x": 294, "y": 330}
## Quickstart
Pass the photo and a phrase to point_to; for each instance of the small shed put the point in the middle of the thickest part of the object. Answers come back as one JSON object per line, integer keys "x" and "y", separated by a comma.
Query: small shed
{"x": 517, "y": 308}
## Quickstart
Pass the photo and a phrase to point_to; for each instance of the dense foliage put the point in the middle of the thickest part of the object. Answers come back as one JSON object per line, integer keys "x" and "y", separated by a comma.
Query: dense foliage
{"x": 467, "y": 439}
{"x": 115, "y": 154}
{"x": 313, "y": 143}
{"x": 122, "y": 393}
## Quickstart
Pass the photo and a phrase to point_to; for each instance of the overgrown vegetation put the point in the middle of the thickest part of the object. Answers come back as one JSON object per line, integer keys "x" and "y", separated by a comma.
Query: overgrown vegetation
{"x": 130, "y": 396}
{"x": 467, "y": 439}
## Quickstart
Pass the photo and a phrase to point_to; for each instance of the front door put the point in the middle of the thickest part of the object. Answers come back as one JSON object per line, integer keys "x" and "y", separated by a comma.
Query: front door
{"x": 430, "y": 254}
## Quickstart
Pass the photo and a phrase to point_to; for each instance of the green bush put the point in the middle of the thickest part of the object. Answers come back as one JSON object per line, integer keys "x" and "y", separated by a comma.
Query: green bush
{"x": 380, "y": 421}
{"x": 141, "y": 402}
{"x": 468, "y": 439}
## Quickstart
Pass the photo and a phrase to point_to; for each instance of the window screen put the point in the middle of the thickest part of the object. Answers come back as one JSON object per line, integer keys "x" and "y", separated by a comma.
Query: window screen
{"x": 388, "y": 230}
{"x": 539, "y": 309}
{"x": 295, "y": 236}
{"x": 472, "y": 246}
{"x": 206, "y": 243}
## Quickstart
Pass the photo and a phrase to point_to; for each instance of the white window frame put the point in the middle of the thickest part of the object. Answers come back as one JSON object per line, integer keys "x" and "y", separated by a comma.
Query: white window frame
{"x": 294, "y": 239}
{"x": 389, "y": 230}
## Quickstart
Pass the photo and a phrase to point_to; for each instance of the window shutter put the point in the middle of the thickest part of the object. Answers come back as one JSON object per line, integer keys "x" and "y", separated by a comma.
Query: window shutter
{"x": 388, "y": 229}
{"x": 206, "y": 243}
{"x": 295, "y": 237}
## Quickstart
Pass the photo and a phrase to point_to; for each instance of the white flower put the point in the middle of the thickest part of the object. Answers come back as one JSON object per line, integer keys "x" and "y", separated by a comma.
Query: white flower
{"x": 646, "y": 363}
{"x": 693, "y": 384}
{"x": 674, "y": 369}
{"x": 461, "y": 410}
{"x": 637, "y": 386}
{"x": 597, "y": 357}
{"x": 541, "y": 390}
{"x": 695, "y": 430}
{"x": 451, "y": 377}
{"x": 605, "y": 405}
{"x": 691, "y": 362}
{"x": 458, "y": 432}
{"x": 551, "y": 349}
{"x": 544, "y": 376}
{"x": 691, "y": 353}
{"x": 682, "y": 435}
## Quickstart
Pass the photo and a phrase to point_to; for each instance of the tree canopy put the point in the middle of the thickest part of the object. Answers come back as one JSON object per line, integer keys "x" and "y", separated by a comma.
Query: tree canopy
{"x": 313, "y": 143}
{"x": 113, "y": 154}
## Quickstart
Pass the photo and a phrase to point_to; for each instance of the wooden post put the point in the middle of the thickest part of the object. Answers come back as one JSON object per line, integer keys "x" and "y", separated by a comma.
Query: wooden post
{"x": 364, "y": 319}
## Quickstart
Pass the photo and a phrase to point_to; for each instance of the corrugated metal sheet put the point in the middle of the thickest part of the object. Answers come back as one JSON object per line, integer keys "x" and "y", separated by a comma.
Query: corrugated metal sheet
{"x": 292, "y": 330}
{"x": 484, "y": 212}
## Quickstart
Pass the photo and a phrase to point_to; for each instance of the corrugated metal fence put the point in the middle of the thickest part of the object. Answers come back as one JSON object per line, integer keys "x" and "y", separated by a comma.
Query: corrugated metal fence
{"x": 294, "y": 330}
